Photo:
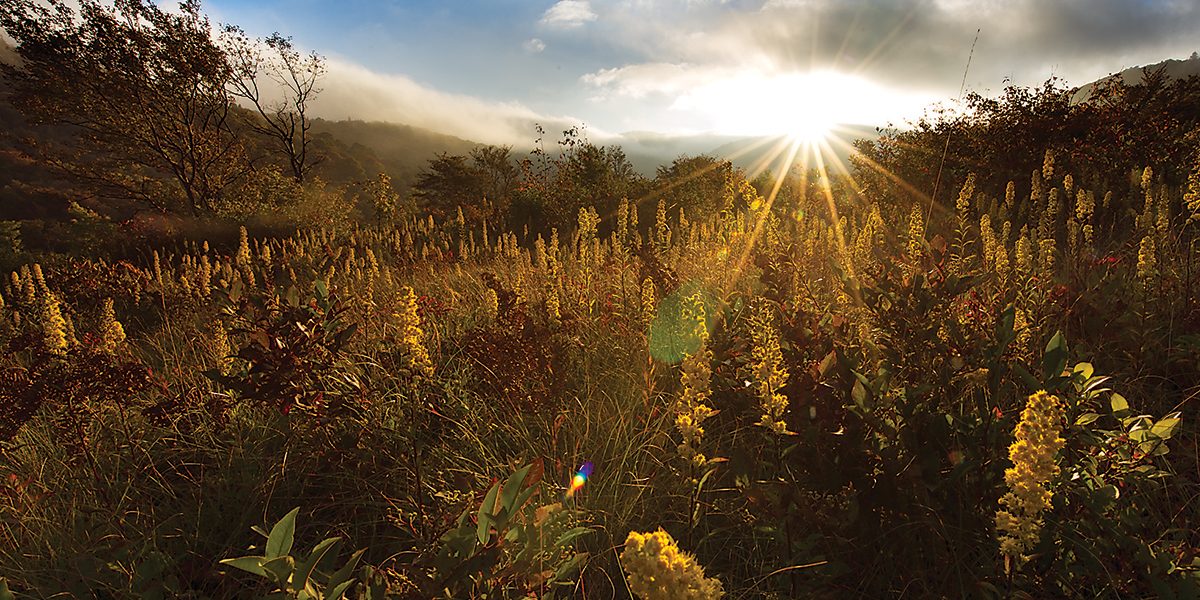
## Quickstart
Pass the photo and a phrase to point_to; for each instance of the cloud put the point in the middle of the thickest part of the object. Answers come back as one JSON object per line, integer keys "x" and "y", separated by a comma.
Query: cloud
{"x": 534, "y": 45}
{"x": 568, "y": 14}
{"x": 753, "y": 100}
{"x": 641, "y": 80}
{"x": 912, "y": 44}
{"x": 352, "y": 91}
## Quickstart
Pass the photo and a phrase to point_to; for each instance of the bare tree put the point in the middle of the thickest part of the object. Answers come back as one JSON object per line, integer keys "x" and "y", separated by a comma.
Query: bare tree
{"x": 143, "y": 90}
{"x": 283, "y": 119}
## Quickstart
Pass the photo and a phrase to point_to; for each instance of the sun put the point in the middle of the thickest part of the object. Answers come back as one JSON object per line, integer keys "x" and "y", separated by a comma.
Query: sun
{"x": 806, "y": 106}
{"x": 807, "y": 126}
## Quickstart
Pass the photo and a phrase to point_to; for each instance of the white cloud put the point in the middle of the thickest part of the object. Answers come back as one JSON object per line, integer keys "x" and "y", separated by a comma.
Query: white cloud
{"x": 568, "y": 14}
{"x": 641, "y": 80}
{"x": 750, "y": 98}
{"x": 352, "y": 91}
{"x": 533, "y": 45}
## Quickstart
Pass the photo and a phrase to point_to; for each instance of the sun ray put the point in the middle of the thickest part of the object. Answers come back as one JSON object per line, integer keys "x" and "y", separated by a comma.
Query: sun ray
{"x": 766, "y": 212}
{"x": 839, "y": 235}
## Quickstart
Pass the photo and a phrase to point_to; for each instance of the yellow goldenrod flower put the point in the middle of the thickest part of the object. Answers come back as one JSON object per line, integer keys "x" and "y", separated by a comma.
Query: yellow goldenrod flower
{"x": 865, "y": 242}
{"x": 552, "y": 263}
{"x": 1023, "y": 330}
{"x": 54, "y": 327}
{"x": 111, "y": 332}
{"x": 1036, "y": 195}
{"x": 621, "y": 233}
{"x": 963, "y": 204}
{"x": 553, "y": 304}
{"x": 1000, "y": 259}
{"x": 661, "y": 231}
{"x": 491, "y": 304}
{"x": 649, "y": 302}
{"x": 539, "y": 253}
{"x": 158, "y": 275}
{"x": 1147, "y": 265}
{"x": 222, "y": 354}
{"x": 1191, "y": 197}
{"x": 1046, "y": 257}
{"x": 29, "y": 291}
{"x": 69, "y": 329}
{"x": 588, "y": 225}
{"x": 916, "y": 234}
{"x": 243, "y": 257}
{"x": 1024, "y": 252}
{"x": 770, "y": 374}
{"x": 412, "y": 337}
{"x": 987, "y": 238}
{"x": 695, "y": 377}
{"x": 1048, "y": 226}
{"x": 1019, "y": 521}
{"x": 40, "y": 279}
{"x": 658, "y": 570}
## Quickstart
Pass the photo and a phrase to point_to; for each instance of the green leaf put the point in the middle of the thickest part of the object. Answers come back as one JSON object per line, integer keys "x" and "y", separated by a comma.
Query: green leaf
{"x": 485, "y": 515}
{"x": 1027, "y": 378}
{"x": 570, "y": 536}
{"x": 565, "y": 569}
{"x": 304, "y": 570}
{"x": 1055, "y": 358}
{"x": 1120, "y": 406}
{"x": 1086, "y": 419}
{"x": 279, "y": 543}
{"x": 512, "y": 488}
{"x": 1092, "y": 386}
{"x": 337, "y": 591}
{"x": 149, "y": 571}
{"x": 1108, "y": 494}
{"x": 828, "y": 363}
{"x": 5, "y": 593}
{"x": 343, "y": 574}
{"x": 858, "y": 393}
{"x": 249, "y": 564}
{"x": 1084, "y": 370}
{"x": 280, "y": 568}
{"x": 1166, "y": 426}
{"x": 522, "y": 499}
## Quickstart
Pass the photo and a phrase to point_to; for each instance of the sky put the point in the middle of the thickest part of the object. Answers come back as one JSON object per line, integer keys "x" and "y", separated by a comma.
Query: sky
{"x": 486, "y": 70}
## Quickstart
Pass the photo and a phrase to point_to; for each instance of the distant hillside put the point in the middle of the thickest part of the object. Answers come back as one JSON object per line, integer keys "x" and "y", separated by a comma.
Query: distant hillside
{"x": 402, "y": 150}
{"x": 648, "y": 150}
{"x": 1174, "y": 69}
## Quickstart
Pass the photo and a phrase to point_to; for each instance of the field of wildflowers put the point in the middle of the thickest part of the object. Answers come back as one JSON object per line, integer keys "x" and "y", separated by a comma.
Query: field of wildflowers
{"x": 840, "y": 399}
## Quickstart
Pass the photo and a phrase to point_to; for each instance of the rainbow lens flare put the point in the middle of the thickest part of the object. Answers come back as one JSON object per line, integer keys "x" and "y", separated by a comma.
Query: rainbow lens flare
{"x": 580, "y": 478}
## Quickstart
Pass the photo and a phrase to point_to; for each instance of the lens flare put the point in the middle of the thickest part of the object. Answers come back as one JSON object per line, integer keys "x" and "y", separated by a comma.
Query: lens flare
{"x": 580, "y": 478}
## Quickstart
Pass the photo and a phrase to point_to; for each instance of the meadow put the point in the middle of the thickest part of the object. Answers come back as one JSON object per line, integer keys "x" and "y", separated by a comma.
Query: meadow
{"x": 837, "y": 398}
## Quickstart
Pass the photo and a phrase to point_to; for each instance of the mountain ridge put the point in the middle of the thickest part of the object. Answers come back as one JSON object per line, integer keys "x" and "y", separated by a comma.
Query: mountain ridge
{"x": 1173, "y": 68}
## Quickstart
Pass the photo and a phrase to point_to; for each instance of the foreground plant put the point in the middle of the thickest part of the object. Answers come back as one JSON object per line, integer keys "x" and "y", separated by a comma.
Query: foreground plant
{"x": 1019, "y": 522}
{"x": 658, "y": 570}
{"x": 293, "y": 577}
